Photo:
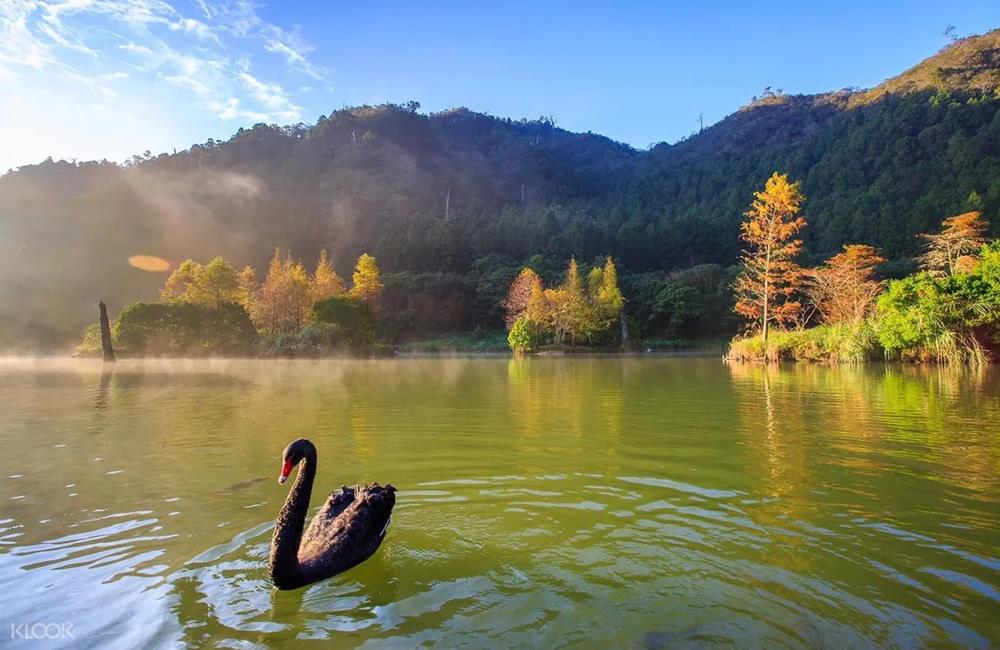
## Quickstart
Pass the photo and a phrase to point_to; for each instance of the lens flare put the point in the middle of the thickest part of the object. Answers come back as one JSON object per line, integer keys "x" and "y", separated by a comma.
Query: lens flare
{"x": 149, "y": 263}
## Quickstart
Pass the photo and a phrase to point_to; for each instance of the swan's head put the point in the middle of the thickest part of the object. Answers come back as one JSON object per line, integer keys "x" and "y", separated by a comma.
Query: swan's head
{"x": 293, "y": 455}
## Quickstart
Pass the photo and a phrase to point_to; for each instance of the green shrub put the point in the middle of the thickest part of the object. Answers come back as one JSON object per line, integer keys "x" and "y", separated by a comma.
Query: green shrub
{"x": 524, "y": 336}
{"x": 90, "y": 345}
{"x": 180, "y": 328}
{"x": 953, "y": 318}
{"x": 352, "y": 322}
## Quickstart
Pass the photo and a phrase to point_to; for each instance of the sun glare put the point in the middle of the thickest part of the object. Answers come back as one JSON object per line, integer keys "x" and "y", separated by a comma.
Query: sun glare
{"x": 149, "y": 263}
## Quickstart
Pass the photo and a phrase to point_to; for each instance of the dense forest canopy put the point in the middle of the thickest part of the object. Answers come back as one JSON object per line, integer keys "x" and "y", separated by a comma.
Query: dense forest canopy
{"x": 453, "y": 204}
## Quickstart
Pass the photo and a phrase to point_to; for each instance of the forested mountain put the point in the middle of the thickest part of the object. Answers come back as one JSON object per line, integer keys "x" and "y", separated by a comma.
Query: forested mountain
{"x": 452, "y": 203}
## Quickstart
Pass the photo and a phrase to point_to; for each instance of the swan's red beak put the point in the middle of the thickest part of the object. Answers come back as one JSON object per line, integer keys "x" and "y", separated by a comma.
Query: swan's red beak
{"x": 286, "y": 469}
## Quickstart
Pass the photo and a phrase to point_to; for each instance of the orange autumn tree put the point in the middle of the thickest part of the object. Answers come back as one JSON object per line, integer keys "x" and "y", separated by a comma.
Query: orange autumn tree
{"x": 325, "y": 281}
{"x": 955, "y": 247}
{"x": 283, "y": 301}
{"x": 843, "y": 289}
{"x": 516, "y": 302}
{"x": 765, "y": 289}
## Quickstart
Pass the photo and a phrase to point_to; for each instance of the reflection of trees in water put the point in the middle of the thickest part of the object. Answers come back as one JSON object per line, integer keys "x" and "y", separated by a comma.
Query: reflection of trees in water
{"x": 773, "y": 418}
{"x": 874, "y": 421}
{"x": 953, "y": 411}
{"x": 566, "y": 406}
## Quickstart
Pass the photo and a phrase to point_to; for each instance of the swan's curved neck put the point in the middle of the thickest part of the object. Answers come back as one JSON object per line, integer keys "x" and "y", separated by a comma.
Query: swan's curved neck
{"x": 291, "y": 521}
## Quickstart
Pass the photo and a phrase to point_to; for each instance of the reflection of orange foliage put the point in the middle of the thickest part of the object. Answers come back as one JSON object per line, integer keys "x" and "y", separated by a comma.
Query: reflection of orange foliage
{"x": 149, "y": 263}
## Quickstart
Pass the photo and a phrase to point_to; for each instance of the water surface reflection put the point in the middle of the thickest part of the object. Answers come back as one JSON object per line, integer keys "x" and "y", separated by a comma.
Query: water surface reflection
{"x": 645, "y": 502}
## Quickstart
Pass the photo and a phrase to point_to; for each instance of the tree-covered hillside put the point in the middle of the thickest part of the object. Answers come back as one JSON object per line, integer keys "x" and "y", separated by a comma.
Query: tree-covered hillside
{"x": 453, "y": 203}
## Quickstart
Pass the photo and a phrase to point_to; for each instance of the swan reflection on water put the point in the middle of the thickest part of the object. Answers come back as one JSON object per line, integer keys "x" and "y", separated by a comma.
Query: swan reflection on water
{"x": 229, "y": 584}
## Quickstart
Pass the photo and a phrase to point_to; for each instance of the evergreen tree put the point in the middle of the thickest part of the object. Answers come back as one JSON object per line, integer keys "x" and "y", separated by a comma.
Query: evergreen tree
{"x": 218, "y": 283}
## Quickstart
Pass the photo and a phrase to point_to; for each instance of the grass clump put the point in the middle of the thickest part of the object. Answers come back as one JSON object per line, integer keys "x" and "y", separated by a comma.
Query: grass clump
{"x": 824, "y": 343}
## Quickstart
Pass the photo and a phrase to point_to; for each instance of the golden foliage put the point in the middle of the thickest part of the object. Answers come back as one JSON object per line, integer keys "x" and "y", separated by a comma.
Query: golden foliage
{"x": 571, "y": 310}
{"x": 211, "y": 285}
{"x": 961, "y": 236}
{"x": 325, "y": 281}
{"x": 284, "y": 301}
{"x": 765, "y": 289}
{"x": 367, "y": 280}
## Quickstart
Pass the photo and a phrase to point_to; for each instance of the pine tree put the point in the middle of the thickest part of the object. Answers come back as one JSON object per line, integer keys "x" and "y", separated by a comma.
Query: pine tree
{"x": 211, "y": 285}
{"x": 284, "y": 300}
{"x": 537, "y": 309}
{"x": 325, "y": 281}
{"x": 269, "y": 307}
{"x": 367, "y": 281}
{"x": 767, "y": 283}
{"x": 608, "y": 297}
{"x": 572, "y": 313}
{"x": 248, "y": 288}
{"x": 218, "y": 283}
{"x": 954, "y": 248}
{"x": 299, "y": 295}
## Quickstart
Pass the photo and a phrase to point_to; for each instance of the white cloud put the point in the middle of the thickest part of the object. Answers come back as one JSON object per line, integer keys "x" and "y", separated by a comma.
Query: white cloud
{"x": 108, "y": 46}
{"x": 295, "y": 51}
{"x": 19, "y": 46}
{"x": 272, "y": 97}
{"x": 238, "y": 17}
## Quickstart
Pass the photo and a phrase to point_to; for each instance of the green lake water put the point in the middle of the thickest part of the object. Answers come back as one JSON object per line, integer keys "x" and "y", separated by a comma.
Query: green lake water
{"x": 638, "y": 502}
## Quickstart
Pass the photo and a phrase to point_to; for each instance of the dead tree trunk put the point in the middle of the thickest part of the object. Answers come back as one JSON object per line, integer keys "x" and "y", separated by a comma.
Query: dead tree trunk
{"x": 624, "y": 326}
{"x": 109, "y": 352}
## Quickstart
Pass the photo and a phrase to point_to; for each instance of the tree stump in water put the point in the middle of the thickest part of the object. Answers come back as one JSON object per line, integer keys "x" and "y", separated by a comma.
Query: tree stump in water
{"x": 109, "y": 352}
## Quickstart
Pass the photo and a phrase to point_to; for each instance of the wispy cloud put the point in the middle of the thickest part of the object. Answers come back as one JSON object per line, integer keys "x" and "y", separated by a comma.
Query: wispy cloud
{"x": 295, "y": 51}
{"x": 207, "y": 55}
{"x": 19, "y": 44}
{"x": 272, "y": 97}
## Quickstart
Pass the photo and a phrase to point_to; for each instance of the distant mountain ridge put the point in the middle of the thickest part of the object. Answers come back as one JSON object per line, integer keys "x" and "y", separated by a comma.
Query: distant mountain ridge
{"x": 460, "y": 193}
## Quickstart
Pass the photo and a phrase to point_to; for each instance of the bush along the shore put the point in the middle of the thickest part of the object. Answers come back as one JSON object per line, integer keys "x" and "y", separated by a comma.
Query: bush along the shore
{"x": 949, "y": 318}
{"x": 948, "y": 312}
{"x": 212, "y": 309}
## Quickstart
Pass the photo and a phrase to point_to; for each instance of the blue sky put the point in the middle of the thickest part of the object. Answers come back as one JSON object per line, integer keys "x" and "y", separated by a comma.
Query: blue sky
{"x": 90, "y": 79}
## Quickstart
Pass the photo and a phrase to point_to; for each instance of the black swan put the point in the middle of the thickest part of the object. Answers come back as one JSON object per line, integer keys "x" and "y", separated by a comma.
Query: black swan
{"x": 346, "y": 531}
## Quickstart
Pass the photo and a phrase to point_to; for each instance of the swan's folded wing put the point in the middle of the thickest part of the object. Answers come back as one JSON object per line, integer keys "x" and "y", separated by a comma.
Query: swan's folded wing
{"x": 348, "y": 529}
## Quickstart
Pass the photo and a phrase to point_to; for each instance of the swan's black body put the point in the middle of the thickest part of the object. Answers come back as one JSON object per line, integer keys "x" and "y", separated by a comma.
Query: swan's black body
{"x": 346, "y": 531}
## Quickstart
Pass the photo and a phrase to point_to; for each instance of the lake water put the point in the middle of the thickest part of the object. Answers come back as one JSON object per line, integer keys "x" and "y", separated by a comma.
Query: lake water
{"x": 543, "y": 502}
